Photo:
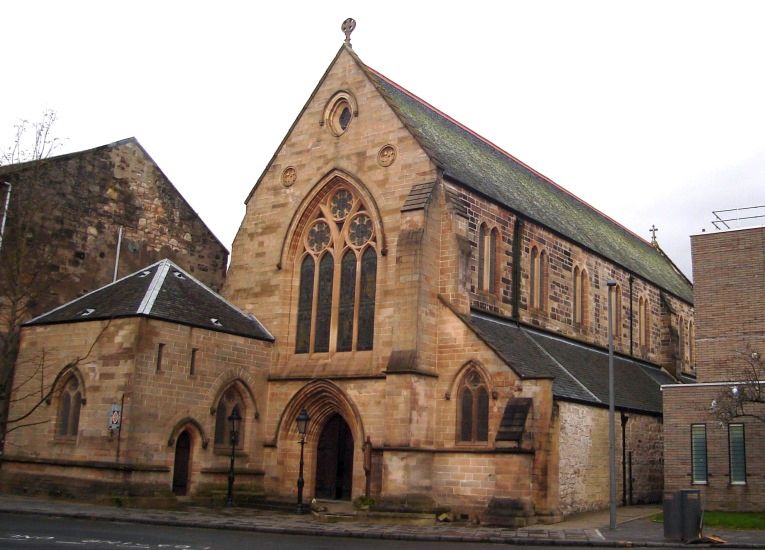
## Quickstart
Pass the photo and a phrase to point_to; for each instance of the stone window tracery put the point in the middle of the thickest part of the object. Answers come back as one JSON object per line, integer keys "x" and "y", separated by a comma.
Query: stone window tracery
{"x": 644, "y": 322}
{"x": 617, "y": 310}
{"x": 473, "y": 412}
{"x": 230, "y": 400}
{"x": 69, "y": 408}
{"x": 338, "y": 277}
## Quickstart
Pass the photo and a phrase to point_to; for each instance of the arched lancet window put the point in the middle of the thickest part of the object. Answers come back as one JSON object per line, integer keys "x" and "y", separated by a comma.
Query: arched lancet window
{"x": 617, "y": 311}
{"x": 681, "y": 339}
{"x": 230, "y": 399}
{"x": 487, "y": 258}
{"x": 69, "y": 404}
{"x": 338, "y": 277}
{"x": 581, "y": 291}
{"x": 473, "y": 414}
{"x": 644, "y": 322}
{"x": 691, "y": 345}
{"x": 537, "y": 287}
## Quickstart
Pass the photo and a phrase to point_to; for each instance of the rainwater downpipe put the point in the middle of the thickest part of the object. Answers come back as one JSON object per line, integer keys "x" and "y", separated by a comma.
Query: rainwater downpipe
{"x": 5, "y": 212}
{"x": 624, "y": 459}
{"x": 516, "y": 288}
{"x": 632, "y": 315}
{"x": 117, "y": 258}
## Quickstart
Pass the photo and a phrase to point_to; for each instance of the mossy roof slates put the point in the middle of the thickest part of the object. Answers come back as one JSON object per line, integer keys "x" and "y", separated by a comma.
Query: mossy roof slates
{"x": 478, "y": 165}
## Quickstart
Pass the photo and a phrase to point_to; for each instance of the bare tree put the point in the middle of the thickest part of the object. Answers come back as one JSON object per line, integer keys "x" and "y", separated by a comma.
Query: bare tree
{"x": 745, "y": 397}
{"x": 24, "y": 250}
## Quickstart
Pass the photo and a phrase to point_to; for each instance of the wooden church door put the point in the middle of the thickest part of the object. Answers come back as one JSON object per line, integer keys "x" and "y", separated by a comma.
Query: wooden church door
{"x": 182, "y": 459}
{"x": 334, "y": 460}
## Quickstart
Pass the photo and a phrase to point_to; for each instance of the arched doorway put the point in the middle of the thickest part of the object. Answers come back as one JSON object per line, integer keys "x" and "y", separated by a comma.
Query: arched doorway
{"x": 182, "y": 461}
{"x": 334, "y": 460}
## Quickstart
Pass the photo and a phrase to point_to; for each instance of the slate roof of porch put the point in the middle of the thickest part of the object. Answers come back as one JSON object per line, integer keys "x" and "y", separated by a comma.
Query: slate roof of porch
{"x": 160, "y": 291}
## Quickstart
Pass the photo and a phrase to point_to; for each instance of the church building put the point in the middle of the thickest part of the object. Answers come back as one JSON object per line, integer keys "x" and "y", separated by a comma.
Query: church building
{"x": 435, "y": 306}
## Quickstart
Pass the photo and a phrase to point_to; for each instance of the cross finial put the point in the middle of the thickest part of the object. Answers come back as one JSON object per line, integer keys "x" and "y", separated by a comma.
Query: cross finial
{"x": 653, "y": 231}
{"x": 347, "y": 27}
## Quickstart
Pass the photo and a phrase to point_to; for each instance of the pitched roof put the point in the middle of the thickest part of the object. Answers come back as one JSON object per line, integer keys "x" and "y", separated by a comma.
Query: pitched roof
{"x": 579, "y": 372}
{"x": 161, "y": 291}
{"x": 482, "y": 166}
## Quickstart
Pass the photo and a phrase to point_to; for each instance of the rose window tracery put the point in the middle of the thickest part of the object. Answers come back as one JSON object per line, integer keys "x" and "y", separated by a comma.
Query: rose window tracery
{"x": 337, "y": 277}
{"x": 360, "y": 230}
{"x": 342, "y": 202}
{"x": 318, "y": 236}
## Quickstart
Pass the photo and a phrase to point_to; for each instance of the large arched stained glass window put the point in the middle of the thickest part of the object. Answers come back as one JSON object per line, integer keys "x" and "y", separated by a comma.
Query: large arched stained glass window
{"x": 338, "y": 298}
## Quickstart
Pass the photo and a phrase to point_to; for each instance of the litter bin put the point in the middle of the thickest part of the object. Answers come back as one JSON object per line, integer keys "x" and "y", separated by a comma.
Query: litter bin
{"x": 682, "y": 515}
{"x": 690, "y": 506}
{"x": 672, "y": 523}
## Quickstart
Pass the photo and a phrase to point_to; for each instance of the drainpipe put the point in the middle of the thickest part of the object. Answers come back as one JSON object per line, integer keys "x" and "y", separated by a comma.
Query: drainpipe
{"x": 117, "y": 258}
{"x": 624, "y": 459}
{"x": 5, "y": 211}
{"x": 632, "y": 315}
{"x": 517, "y": 229}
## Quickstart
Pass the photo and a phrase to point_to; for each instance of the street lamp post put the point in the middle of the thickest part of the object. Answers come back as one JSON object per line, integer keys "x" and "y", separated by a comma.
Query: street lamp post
{"x": 302, "y": 426}
{"x": 611, "y": 423}
{"x": 234, "y": 420}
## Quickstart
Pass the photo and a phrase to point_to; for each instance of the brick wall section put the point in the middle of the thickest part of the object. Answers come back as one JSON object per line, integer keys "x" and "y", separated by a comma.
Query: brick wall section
{"x": 80, "y": 200}
{"x": 684, "y": 406}
{"x": 123, "y": 364}
{"x": 728, "y": 269}
{"x": 729, "y": 275}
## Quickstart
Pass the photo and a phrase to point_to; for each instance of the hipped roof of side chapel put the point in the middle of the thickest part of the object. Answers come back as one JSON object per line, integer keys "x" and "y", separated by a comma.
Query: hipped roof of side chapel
{"x": 481, "y": 166}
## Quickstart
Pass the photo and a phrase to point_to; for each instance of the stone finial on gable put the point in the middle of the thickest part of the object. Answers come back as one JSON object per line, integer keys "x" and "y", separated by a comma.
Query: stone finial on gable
{"x": 653, "y": 231}
{"x": 347, "y": 27}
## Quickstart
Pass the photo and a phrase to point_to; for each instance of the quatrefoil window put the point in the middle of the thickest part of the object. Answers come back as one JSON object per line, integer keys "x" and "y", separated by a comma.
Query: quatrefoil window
{"x": 318, "y": 236}
{"x": 361, "y": 230}
{"x": 342, "y": 202}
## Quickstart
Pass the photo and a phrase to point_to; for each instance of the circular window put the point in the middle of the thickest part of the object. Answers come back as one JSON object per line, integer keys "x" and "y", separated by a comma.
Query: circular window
{"x": 340, "y": 112}
{"x": 341, "y": 204}
{"x": 318, "y": 236}
{"x": 360, "y": 230}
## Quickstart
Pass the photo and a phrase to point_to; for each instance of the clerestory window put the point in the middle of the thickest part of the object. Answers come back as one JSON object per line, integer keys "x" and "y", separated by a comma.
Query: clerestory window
{"x": 338, "y": 277}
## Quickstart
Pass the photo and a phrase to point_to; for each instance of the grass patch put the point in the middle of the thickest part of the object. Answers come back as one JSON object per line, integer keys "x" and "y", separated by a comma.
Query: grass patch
{"x": 727, "y": 520}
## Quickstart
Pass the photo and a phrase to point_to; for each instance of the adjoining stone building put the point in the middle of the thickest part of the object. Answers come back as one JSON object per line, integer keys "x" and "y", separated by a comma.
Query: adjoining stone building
{"x": 722, "y": 457}
{"x": 77, "y": 203}
{"x": 435, "y": 300}
{"x": 159, "y": 347}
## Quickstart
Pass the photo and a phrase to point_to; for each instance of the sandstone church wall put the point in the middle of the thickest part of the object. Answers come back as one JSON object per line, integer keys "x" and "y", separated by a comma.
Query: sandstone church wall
{"x": 584, "y": 466}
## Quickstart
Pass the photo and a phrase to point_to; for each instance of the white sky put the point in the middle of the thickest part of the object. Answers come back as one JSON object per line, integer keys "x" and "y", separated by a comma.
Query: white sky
{"x": 653, "y": 112}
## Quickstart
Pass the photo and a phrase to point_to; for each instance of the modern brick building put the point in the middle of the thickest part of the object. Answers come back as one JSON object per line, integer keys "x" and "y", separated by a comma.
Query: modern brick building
{"x": 721, "y": 455}
{"x": 438, "y": 309}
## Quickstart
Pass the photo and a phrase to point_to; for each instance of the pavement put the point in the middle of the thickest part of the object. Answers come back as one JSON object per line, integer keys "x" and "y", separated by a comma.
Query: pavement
{"x": 634, "y": 527}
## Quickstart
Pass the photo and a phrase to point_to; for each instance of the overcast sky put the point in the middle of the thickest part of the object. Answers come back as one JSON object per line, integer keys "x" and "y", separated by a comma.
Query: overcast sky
{"x": 653, "y": 112}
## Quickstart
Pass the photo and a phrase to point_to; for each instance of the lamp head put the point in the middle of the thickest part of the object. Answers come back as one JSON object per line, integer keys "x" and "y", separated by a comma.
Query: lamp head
{"x": 302, "y": 422}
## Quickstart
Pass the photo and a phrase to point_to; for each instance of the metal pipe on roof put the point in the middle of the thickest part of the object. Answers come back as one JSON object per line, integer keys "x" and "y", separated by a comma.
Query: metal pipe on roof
{"x": 5, "y": 211}
{"x": 117, "y": 258}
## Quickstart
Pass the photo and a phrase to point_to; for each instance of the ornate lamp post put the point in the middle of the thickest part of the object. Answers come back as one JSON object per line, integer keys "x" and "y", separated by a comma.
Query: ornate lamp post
{"x": 234, "y": 419}
{"x": 302, "y": 426}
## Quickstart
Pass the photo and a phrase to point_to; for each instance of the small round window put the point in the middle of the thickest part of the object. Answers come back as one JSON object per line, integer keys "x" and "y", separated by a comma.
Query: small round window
{"x": 339, "y": 113}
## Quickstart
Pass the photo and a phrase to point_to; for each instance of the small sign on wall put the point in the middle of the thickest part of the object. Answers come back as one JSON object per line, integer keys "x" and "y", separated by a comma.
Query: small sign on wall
{"x": 115, "y": 418}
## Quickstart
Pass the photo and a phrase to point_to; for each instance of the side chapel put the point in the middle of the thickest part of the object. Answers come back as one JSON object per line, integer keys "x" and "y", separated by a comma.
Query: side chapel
{"x": 412, "y": 287}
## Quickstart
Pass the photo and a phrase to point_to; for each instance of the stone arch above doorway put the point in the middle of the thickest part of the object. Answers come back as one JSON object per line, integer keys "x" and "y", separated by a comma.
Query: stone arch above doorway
{"x": 321, "y": 399}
